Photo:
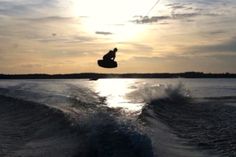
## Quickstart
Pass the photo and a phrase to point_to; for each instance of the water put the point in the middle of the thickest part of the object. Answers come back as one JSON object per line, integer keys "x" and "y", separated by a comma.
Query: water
{"x": 118, "y": 118}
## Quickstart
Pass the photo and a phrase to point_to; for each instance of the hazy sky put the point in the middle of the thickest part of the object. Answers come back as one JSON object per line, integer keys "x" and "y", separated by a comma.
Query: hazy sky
{"x": 68, "y": 36}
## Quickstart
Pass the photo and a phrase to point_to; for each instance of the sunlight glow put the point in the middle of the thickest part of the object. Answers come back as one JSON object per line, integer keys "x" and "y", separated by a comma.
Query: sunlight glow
{"x": 112, "y": 11}
{"x": 112, "y": 17}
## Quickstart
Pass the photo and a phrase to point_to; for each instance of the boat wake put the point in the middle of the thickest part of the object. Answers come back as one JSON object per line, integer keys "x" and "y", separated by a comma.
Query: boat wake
{"x": 33, "y": 129}
{"x": 171, "y": 123}
{"x": 207, "y": 124}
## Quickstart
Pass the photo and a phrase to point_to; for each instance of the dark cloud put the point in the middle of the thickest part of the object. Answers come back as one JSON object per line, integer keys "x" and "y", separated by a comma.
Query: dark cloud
{"x": 216, "y": 63}
{"x": 212, "y": 14}
{"x": 26, "y": 7}
{"x": 12, "y": 8}
{"x": 184, "y": 15}
{"x": 146, "y": 19}
{"x": 213, "y": 33}
{"x": 153, "y": 19}
{"x": 48, "y": 19}
{"x": 216, "y": 32}
{"x": 103, "y": 33}
{"x": 176, "y": 6}
{"x": 225, "y": 46}
{"x": 179, "y": 11}
{"x": 185, "y": 11}
{"x": 175, "y": 16}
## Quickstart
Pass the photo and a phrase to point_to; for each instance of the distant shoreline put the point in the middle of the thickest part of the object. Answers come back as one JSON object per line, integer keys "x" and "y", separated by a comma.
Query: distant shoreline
{"x": 94, "y": 76}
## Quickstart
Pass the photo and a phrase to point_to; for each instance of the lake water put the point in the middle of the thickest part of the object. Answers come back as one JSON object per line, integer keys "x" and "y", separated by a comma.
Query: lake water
{"x": 118, "y": 117}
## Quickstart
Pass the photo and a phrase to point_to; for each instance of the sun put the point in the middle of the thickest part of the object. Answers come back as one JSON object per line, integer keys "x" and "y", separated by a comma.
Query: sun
{"x": 112, "y": 11}
{"x": 112, "y": 17}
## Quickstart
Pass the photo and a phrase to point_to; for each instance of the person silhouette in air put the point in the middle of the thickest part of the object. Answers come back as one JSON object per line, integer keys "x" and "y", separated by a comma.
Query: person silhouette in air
{"x": 111, "y": 55}
{"x": 108, "y": 60}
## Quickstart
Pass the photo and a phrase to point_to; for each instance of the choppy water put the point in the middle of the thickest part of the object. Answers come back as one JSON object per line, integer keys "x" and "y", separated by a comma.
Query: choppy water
{"x": 118, "y": 118}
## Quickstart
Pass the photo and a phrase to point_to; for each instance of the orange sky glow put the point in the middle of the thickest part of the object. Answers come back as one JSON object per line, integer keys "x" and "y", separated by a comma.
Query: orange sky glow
{"x": 70, "y": 36}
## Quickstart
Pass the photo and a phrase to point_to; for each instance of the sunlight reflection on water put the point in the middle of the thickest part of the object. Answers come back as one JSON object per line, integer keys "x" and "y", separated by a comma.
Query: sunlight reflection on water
{"x": 115, "y": 91}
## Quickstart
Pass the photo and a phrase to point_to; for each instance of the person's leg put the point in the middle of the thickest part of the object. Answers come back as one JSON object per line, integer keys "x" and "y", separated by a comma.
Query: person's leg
{"x": 105, "y": 57}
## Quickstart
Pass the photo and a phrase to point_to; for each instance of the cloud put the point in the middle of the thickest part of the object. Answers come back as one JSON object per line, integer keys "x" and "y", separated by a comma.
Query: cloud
{"x": 149, "y": 59}
{"x": 143, "y": 48}
{"x": 43, "y": 29}
{"x": 103, "y": 33}
{"x": 225, "y": 46}
{"x": 174, "y": 16}
{"x": 216, "y": 32}
{"x": 175, "y": 63}
{"x": 66, "y": 39}
{"x": 31, "y": 65}
{"x": 180, "y": 11}
{"x": 28, "y": 8}
{"x": 72, "y": 54}
{"x": 184, "y": 15}
{"x": 49, "y": 19}
{"x": 176, "y": 6}
{"x": 146, "y": 19}
{"x": 12, "y": 8}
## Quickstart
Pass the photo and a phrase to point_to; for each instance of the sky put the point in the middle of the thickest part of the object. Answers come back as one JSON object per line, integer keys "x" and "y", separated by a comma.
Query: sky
{"x": 69, "y": 36}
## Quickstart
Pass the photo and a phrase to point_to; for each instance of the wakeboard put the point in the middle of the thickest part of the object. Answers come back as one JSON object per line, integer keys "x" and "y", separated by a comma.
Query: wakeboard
{"x": 107, "y": 64}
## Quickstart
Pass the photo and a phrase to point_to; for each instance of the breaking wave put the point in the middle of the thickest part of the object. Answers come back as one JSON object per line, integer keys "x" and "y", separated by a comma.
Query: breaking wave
{"x": 33, "y": 129}
{"x": 206, "y": 124}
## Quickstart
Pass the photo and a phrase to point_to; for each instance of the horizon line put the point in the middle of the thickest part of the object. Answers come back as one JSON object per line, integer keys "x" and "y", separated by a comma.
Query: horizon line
{"x": 141, "y": 73}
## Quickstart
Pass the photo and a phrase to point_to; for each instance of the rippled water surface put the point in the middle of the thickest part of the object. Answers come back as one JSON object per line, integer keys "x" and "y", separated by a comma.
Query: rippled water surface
{"x": 118, "y": 117}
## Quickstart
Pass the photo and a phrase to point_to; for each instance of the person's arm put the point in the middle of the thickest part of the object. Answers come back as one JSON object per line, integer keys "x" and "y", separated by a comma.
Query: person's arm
{"x": 114, "y": 56}
{"x": 105, "y": 57}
